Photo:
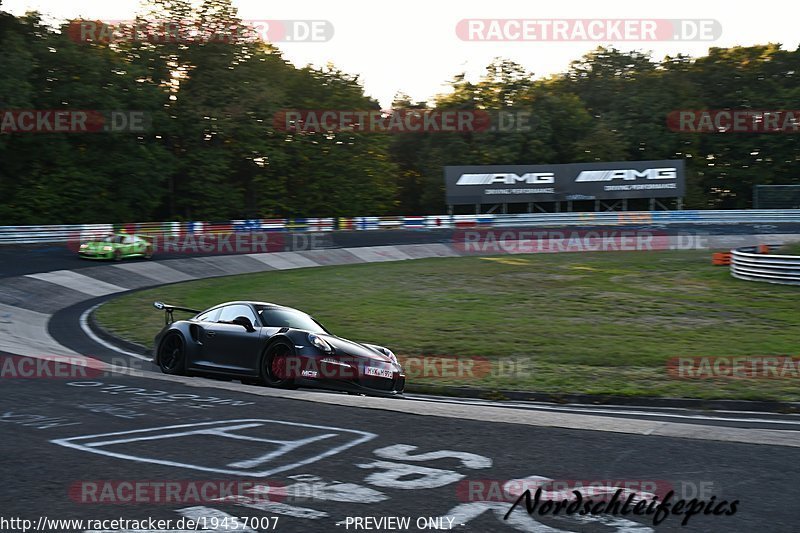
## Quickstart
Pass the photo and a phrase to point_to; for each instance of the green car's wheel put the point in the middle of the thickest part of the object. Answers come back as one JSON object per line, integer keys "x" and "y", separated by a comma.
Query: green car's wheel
{"x": 148, "y": 252}
{"x": 117, "y": 255}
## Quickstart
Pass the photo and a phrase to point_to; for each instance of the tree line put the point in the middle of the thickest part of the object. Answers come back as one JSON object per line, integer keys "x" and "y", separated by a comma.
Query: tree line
{"x": 213, "y": 151}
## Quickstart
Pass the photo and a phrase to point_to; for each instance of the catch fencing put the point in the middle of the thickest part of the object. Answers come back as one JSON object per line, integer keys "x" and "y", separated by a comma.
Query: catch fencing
{"x": 65, "y": 233}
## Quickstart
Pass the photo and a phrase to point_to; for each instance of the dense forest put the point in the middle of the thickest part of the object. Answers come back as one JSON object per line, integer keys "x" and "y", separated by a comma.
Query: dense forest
{"x": 212, "y": 150}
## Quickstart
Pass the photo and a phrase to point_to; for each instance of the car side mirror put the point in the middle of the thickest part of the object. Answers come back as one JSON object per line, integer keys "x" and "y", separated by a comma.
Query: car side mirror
{"x": 244, "y": 322}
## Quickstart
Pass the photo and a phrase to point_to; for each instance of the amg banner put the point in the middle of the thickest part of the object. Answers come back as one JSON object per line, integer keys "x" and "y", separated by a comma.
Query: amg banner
{"x": 504, "y": 184}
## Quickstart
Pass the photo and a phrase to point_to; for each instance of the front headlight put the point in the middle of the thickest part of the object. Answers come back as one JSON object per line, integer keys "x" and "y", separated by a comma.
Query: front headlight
{"x": 385, "y": 351}
{"x": 83, "y": 246}
{"x": 106, "y": 248}
{"x": 320, "y": 343}
{"x": 388, "y": 353}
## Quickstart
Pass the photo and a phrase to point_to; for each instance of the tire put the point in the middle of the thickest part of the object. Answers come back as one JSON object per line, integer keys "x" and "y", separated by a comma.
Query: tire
{"x": 172, "y": 355}
{"x": 148, "y": 252}
{"x": 273, "y": 365}
{"x": 117, "y": 255}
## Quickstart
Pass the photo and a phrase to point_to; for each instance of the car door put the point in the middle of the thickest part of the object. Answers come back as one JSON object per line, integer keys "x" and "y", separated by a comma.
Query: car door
{"x": 118, "y": 245}
{"x": 127, "y": 245}
{"x": 230, "y": 346}
{"x": 138, "y": 246}
{"x": 203, "y": 356}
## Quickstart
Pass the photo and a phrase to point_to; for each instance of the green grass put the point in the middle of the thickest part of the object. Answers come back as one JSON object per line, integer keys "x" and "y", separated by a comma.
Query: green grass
{"x": 792, "y": 248}
{"x": 600, "y": 323}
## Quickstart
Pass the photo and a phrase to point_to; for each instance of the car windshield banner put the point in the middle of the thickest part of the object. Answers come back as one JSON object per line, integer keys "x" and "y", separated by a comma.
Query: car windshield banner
{"x": 502, "y": 184}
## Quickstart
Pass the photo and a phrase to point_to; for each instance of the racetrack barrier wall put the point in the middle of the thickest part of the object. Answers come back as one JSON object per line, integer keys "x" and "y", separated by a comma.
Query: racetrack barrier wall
{"x": 748, "y": 264}
{"x": 65, "y": 233}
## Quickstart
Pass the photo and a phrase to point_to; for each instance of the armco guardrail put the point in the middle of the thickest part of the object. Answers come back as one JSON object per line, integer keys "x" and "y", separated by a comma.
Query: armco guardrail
{"x": 748, "y": 264}
{"x": 64, "y": 233}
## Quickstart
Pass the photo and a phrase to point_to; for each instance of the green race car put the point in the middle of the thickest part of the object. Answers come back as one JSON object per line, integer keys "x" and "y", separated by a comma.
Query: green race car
{"x": 118, "y": 246}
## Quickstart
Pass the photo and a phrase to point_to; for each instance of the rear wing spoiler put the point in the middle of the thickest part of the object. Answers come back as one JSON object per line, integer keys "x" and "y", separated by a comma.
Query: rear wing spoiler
{"x": 168, "y": 310}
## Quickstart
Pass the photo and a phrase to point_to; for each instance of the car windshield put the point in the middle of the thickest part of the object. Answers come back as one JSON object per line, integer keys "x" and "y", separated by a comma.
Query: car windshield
{"x": 289, "y": 318}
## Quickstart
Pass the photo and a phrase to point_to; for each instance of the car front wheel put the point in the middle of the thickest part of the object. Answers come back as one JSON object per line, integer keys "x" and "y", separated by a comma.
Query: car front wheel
{"x": 276, "y": 366}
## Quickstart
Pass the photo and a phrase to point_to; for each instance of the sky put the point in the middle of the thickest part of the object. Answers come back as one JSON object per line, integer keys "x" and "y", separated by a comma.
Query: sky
{"x": 412, "y": 46}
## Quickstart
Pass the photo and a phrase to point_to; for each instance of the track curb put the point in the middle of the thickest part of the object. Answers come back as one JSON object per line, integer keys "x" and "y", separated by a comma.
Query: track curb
{"x": 116, "y": 340}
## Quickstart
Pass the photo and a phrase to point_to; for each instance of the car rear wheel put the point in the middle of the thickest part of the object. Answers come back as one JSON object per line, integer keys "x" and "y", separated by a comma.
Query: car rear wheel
{"x": 148, "y": 252}
{"x": 275, "y": 366}
{"x": 172, "y": 355}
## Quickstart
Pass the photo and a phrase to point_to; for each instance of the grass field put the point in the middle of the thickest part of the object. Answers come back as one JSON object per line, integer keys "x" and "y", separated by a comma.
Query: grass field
{"x": 789, "y": 249}
{"x": 600, "y": 323}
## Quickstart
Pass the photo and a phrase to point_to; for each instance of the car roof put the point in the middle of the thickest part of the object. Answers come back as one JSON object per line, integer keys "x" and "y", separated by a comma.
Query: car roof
{"x": 254, "y": 303}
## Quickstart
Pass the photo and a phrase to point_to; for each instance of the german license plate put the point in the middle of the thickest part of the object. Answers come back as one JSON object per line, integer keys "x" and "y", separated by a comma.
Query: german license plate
{"x": 379, "y": 372}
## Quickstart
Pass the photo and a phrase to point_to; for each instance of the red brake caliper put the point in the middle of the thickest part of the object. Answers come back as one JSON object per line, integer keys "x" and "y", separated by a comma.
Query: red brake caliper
{"x": 278, "y": 367}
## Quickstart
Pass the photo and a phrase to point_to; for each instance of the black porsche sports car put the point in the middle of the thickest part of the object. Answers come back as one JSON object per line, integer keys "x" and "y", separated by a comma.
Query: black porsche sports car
{"x": 274, "y": 345}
